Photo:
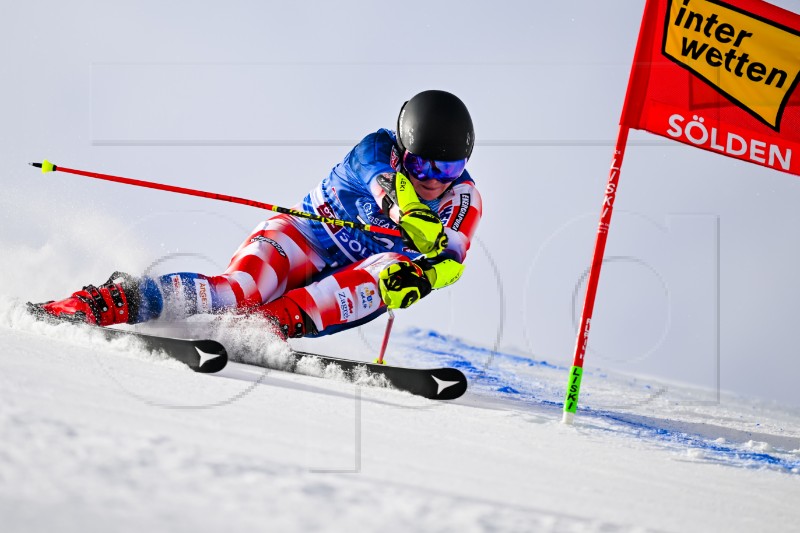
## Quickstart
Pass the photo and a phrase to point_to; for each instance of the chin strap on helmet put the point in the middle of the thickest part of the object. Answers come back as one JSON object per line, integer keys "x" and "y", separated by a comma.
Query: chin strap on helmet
{"x": 396, "y": 158}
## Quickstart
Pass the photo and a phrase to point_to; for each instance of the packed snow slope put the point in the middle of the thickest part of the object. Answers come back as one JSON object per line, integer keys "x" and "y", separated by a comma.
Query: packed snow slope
{"x": 102, "y": 436}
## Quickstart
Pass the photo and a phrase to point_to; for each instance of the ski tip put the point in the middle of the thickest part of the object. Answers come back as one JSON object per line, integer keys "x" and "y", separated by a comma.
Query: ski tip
{"x": 212, "y": 356}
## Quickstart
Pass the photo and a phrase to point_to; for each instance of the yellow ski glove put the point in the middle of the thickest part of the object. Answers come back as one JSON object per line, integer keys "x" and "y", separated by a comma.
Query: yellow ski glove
{"x": 402, "y": 284}
{"x": 421, "y": 228}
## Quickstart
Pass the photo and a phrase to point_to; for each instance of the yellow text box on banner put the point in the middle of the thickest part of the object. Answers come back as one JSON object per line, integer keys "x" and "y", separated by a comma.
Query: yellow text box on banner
{"x": 752, "y": 61}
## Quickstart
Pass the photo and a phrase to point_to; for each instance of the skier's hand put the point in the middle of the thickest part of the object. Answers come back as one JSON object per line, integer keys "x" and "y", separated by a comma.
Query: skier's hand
{"x": 402, "y": 284}
{"x": 422, "y": 230}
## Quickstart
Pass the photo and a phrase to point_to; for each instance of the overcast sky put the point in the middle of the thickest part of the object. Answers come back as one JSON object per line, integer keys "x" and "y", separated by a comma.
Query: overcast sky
{"x": 261, "y": 99}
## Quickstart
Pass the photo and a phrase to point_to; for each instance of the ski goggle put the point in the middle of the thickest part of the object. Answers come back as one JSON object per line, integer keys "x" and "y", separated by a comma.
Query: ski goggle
{"x": 430, "y": 169}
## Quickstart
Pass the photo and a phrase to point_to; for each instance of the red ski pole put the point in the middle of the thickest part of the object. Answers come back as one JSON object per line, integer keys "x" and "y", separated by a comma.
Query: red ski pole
{"x": 47, "y": 166}
{"x": 386, "y": 334}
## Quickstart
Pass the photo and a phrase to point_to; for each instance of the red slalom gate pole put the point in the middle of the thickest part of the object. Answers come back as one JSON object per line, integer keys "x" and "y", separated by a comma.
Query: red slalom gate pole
{"x": 47, "y": 166}
{"x": 576, "y": 372}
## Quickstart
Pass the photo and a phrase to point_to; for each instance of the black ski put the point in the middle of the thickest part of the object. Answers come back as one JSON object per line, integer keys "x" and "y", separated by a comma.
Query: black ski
{"x": 201, "y": 355}
{"x": 434, "y": 383}
{"x": 208, "y": 356}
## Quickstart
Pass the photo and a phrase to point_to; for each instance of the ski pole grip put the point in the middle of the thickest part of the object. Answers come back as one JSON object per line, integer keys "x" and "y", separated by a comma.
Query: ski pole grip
{"x": 46, "y": 166}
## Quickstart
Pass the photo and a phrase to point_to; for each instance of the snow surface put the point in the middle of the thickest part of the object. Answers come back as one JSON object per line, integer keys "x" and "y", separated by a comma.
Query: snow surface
{"x": 102, "y": 436}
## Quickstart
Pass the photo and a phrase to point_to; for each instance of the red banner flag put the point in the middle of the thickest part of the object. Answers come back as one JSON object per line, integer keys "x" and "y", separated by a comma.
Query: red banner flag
{"x": 721, "y": 76}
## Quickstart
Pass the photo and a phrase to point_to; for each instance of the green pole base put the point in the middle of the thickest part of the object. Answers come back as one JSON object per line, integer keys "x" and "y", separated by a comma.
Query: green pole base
{"x": 573, "y": 391}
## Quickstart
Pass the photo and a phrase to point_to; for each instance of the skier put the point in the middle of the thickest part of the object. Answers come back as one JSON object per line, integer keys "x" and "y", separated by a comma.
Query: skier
{"x": 309, "y": 278}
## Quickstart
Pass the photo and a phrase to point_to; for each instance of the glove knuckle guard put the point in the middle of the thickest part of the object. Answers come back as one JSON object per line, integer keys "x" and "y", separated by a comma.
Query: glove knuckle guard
{"x": 402, "y": 284}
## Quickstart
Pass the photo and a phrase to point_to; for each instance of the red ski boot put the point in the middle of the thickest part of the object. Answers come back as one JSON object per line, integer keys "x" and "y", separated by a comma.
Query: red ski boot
{"x": 114, "y": 302}
{"x": 289, "y": 319}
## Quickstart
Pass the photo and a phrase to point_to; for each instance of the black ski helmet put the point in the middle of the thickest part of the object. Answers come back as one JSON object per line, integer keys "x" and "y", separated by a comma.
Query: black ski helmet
{"x": 436, "y": 125}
